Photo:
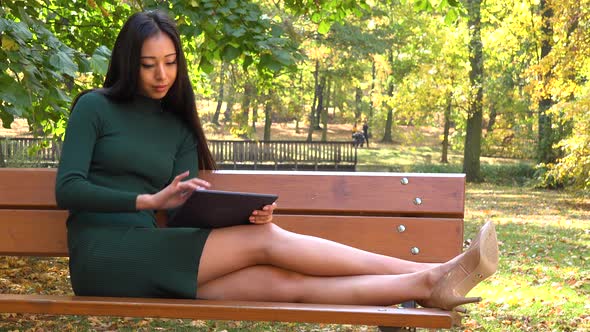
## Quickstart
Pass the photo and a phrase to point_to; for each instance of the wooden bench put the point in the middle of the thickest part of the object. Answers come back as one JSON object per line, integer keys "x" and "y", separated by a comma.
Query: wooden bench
{"x": 411, "y": 216}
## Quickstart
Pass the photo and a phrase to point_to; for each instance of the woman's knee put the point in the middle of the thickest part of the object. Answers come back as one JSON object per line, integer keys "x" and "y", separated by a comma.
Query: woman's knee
{"x": 287, "y": 285}
{"x": 267, "y": 236}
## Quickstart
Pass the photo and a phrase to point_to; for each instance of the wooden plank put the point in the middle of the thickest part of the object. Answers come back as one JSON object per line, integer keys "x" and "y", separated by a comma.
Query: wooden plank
{"x": 33, "y": 233}
{"x": 27, "y": 187}
{"x": 436, "y": 239}
{"x": 43, "y": 233}
{"x": 352, "y": 192}
{"x": 228, "y": 310}
{"x": 299, "y": 192}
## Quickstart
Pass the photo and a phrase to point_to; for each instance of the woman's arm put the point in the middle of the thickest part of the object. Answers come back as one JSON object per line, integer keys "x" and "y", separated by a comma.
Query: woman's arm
{"x": 73, "y": 190}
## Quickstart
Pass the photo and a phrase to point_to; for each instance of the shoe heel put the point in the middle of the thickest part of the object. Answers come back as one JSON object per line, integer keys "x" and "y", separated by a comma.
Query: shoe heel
{"x": 488, "y": 260}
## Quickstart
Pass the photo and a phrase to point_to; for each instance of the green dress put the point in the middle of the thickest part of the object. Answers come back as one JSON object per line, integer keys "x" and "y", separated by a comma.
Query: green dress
{"x": 112, "y": 153}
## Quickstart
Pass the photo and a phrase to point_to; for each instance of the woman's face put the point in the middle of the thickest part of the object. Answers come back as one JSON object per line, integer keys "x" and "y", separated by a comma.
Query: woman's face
{"x": 158, "y": 67}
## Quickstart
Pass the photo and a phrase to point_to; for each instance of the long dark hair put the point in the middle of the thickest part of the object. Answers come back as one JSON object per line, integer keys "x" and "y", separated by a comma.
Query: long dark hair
{"x": 123, "y": 75}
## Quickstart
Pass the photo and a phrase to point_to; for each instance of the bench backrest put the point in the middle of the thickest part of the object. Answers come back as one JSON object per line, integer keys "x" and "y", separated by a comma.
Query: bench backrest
{"x": 411, "y": 216}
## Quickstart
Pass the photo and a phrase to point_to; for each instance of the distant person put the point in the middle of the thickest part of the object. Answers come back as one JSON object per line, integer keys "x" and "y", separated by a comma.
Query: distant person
{"x": 366, "y": 132}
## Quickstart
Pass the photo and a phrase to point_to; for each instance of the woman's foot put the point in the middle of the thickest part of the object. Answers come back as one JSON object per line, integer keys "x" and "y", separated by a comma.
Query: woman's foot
{"x": 465, "y": 271}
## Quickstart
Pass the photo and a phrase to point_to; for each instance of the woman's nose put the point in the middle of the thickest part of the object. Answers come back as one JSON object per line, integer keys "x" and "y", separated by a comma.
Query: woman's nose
{"x": 160, "y": 72}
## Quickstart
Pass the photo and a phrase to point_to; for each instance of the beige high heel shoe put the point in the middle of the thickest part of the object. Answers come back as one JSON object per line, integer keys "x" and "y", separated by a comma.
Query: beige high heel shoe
{"x": 470, "y": 268}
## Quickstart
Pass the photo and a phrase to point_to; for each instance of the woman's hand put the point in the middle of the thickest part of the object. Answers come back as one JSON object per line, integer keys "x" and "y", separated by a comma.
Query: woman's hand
{"x": 173, "y": 195}
{"x": 263, "y": 216}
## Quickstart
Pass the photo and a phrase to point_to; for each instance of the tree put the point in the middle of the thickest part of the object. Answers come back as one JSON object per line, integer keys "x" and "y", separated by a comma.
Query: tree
{"x": 471, "y": 158}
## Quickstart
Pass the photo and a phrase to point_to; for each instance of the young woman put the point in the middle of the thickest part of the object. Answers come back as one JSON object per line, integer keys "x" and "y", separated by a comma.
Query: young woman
{"x": 136, "y": 145}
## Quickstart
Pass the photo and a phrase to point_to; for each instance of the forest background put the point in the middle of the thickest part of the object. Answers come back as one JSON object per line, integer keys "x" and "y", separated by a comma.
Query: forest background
{"x": 508, "y": 75}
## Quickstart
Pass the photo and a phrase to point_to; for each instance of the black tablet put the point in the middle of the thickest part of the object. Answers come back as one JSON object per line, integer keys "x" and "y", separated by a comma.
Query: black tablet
{"x": 216, "y": 208}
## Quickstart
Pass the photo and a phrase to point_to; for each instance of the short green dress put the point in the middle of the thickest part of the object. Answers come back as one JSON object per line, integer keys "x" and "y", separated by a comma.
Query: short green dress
{"x": 112, "y": 153}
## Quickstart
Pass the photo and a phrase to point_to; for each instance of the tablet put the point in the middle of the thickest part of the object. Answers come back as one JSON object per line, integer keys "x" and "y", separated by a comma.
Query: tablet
{"x": 216, "y": 208}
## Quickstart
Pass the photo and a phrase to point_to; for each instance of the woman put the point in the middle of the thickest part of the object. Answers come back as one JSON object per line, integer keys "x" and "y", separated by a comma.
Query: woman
{"x": 133, "y": 147}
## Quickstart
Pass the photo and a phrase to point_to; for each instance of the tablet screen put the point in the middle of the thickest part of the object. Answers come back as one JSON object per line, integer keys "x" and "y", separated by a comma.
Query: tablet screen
{"x": 216, "y": 208}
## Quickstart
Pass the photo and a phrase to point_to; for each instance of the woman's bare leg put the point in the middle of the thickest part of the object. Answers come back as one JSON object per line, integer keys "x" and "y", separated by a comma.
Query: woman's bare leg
{"x": 268, "y": 283}
{"x": 231, "y": 249}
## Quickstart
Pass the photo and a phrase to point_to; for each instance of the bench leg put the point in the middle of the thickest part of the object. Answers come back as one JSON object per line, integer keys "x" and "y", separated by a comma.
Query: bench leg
{"x": 409, "y": 304}
{"x": 396, "y": 329}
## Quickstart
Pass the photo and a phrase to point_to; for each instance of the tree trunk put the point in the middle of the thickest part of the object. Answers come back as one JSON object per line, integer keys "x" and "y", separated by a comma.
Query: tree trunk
{"x": 267, "y": 115}
{"x": 311, "y": 116}
{"x": 217, "y": 113}
{"x": 387, "y": 135}
{"x": 329, "y": 97}
{"x": 447, "y": 129}
{"x": 320, "y": 107}
{"x": 229, "y": 106}
{"x": 545, "y": 151}
{"x": 358, "y": 104}
{"x": 472, "y": 153}
{"x": 301, "y": 103}
{"x": 493, "y": 116}
{"x": 242, "y": 117}
{"x": 373, "y": 79}
{"x": 324, "y": 112}
{"x": 255, "y": 115}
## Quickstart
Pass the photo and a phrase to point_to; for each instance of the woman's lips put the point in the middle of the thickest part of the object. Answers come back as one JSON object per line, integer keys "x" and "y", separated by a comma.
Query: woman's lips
{"x": 160, "y": 88}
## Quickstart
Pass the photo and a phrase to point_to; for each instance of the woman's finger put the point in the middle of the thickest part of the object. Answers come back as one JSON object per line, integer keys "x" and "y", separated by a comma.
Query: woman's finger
{"x": 187, "y": 186}
{"x": 180, "y": 177}
{"x": 260, "y": 219}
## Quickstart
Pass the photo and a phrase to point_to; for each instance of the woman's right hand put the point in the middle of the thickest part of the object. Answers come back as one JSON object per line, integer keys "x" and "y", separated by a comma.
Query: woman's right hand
{"x": 173, "y": 195}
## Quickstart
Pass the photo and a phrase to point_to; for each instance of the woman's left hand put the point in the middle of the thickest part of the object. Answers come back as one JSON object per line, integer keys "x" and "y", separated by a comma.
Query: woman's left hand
{"x": 263, "y": 216}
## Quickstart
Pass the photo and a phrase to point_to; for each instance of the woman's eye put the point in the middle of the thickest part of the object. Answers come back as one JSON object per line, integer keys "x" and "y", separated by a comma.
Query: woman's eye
{"x": 145, "y": 65}
{"x": 171, "y": 63}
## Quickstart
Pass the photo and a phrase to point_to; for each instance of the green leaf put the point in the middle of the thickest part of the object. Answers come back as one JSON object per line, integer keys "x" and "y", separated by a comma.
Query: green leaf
{"x": 316, "y": 17}
{"x": 206, "y": 65}
{"x": 239, "y": 32}
{"x": 423, "y": 5}
{"x": 247, "y": 62}
{"x": 324, "y": 27}
{"x": 103, "y": 51}
{"x": 60, "y": 96}
{"x": 229, "y": 53}
{"x": 283, "y": 57}
{"x": 6, "y": 117}
{"x": 62, "y": 62}
{"x": 451, "y": 16}
{"x": 84, "y": 64}
{"x": 99, "y": 64}
{"x": 21, "y": 31}
{"x": 267, "y": 61}
{"x": 276, "y": 31}
{"x": 12, "y": 92}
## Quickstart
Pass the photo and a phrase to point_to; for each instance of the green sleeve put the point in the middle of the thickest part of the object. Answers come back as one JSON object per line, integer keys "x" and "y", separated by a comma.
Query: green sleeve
{"x": 73, "y": 190}
{"x": 186, "y": 159}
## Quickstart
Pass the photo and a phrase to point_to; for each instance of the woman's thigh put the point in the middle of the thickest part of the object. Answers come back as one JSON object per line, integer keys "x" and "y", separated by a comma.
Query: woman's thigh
{"x": 233, "y": 248}
{"x": 255, "y": 283}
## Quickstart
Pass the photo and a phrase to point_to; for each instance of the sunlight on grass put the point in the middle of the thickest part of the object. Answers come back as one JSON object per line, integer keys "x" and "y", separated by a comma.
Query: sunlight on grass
{"x": 543, "y": 282}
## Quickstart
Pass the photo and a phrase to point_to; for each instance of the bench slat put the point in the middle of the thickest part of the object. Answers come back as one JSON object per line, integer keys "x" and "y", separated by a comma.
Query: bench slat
{"x": 43, "y": 233}
{"x": 299, "y": 192}
{"x": 227, "y": 310}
